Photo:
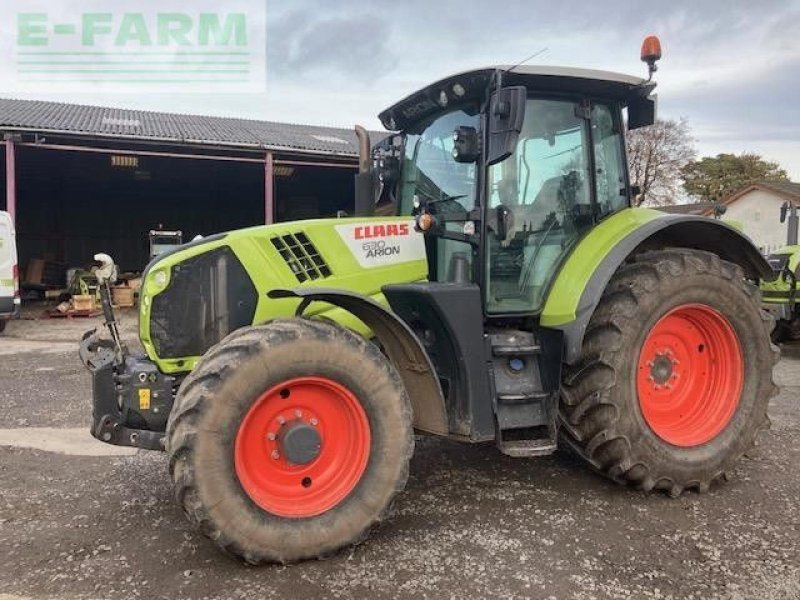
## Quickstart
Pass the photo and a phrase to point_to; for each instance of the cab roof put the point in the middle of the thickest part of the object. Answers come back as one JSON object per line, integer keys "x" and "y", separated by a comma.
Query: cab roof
{"x": 471, "y": 86}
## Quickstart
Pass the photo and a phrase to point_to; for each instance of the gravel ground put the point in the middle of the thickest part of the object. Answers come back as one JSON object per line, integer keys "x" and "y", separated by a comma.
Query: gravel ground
{"x": 472, "y": 523}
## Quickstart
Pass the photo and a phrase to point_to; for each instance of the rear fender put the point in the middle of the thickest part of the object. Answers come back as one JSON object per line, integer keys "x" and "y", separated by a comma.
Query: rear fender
{"x": 586, "y": 273}
{"x": 403, "y": 348}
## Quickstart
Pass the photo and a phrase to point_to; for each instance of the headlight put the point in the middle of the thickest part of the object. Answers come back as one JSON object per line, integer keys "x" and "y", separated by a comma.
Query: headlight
{"x": 160, "y": 278}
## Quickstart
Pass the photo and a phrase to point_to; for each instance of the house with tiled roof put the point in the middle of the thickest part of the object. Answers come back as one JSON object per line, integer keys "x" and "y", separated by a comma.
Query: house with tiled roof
{"x": 757, "y": 207}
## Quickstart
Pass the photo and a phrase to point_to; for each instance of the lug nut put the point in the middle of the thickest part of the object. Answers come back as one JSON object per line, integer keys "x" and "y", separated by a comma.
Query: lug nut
{"x": 281, "y": 420}
{"x": 314, "y": 421}
{"x": 298, "y": 413}
{"x": 276, "y": 455}
{"x": 271, "y": 436}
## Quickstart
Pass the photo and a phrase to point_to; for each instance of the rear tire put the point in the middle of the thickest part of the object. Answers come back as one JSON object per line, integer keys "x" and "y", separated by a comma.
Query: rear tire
{"x": 642, "y": 417}
{"x": 230, "y": 475}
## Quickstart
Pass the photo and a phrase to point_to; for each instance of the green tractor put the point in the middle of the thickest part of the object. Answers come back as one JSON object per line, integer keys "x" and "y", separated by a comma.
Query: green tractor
{"x": 780, "y": 294}
{"x": 516, "y": 299}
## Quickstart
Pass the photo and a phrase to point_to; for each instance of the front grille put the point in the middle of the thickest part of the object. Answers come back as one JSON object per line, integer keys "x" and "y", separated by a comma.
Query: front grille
{"x": 209, "y": 296}
{"x": 301, "y": 256}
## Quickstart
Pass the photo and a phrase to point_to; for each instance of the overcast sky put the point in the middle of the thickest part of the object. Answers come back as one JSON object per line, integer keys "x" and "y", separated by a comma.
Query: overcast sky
{"x": 731, "y": 67}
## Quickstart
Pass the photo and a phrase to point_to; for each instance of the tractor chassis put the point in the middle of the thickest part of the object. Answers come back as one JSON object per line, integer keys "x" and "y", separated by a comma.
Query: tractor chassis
{"x": 131, "y": 398}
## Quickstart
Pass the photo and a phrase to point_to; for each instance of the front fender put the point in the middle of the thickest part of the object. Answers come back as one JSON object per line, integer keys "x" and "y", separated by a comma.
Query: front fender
{"x": 403, "y": 348}
{"x": 585, "y": 274}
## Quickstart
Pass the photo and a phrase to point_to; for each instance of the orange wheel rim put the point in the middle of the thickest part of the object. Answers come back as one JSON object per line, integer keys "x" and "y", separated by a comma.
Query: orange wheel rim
{"x": 690, "y": 375}
{"x": 302, "y": 447}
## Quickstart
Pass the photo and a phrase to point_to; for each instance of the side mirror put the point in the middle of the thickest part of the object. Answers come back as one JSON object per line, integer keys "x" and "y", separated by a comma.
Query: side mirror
{"x": 784, "y": 208}
{"x": 642, "y": 111}
{"x": 505, "y": 120}
{"x": 465, "y": 144}
{"x": 388, "y": 170}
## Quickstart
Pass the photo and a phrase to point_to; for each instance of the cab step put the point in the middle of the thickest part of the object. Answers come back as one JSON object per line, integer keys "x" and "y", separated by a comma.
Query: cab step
{"x": 528, "y": 448}
{"x": 523, "y": 398}
{"x": 521, "y": 350}
{"x": 525, "y": 411}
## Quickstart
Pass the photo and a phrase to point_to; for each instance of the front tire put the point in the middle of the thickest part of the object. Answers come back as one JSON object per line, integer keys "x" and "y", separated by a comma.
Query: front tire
{"x": 289, "y": 441}
{"x": 675, "y": 375}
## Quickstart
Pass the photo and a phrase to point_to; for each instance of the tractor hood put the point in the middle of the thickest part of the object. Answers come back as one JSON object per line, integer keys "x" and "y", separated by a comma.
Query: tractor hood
{"x": 194, "y": 296}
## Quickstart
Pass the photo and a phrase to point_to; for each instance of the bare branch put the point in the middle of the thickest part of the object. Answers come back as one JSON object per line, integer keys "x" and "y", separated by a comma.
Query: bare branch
{"x": 656, "y": 155}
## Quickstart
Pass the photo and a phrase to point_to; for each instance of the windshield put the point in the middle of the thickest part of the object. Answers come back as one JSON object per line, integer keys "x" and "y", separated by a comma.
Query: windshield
{"x": 429, "y": 171}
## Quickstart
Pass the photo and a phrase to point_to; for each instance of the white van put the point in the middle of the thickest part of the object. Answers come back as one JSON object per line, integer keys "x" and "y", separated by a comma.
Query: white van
{"x": 9, "y": 271}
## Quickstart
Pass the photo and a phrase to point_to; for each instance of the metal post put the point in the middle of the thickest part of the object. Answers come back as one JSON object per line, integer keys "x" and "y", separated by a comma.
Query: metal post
{"x": 793, "y": 224}
{"x": 11, "y": 179}
{"x": 269, "y": 189}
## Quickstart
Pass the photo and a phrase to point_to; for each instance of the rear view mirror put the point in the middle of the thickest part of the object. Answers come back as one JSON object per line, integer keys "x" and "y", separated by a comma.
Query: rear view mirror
{"x": 505, "y": 119}
{"x": 465, "y": 144}
{"x": 642, "y": 111}
{"x": 389, "y": 170}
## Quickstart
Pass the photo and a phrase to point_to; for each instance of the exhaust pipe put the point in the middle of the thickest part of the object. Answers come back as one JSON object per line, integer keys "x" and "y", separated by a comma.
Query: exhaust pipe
{"x": 364, "y": 185}
{"x": 364, "y": 150}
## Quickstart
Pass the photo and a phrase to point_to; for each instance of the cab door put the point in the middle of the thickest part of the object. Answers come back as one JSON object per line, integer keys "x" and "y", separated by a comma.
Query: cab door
{"x": 567, "y": 173}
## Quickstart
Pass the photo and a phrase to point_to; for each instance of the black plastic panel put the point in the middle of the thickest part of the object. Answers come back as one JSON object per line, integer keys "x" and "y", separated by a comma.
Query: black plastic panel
{"x": 208, "y": 297}
{"x": 448, "y": 320}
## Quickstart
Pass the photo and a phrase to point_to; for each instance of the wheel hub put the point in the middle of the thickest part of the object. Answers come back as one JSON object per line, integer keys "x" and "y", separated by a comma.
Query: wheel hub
{"x": 661, "y": 368}
{"x": 299, "y": 442}
{"x": 302, "y": 447}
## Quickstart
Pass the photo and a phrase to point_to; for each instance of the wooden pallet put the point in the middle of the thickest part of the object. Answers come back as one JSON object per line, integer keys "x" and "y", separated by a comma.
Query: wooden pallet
{"x": 71, "y": 314}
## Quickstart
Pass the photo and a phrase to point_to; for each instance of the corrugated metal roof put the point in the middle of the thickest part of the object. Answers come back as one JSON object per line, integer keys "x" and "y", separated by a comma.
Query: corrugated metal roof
{"x": 138, "y": 124}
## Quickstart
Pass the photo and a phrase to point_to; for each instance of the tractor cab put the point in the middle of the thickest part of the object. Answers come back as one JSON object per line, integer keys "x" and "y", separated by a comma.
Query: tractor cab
{"x": 506, "y": 168}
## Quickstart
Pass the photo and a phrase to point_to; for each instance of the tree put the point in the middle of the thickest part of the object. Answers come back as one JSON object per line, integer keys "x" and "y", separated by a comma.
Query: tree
{"x": 712, "y": 179}
{"x": 656, "y": 155}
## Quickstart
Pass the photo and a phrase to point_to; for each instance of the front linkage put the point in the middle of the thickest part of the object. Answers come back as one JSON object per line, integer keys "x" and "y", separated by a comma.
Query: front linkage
{"x": 131, "y": 398}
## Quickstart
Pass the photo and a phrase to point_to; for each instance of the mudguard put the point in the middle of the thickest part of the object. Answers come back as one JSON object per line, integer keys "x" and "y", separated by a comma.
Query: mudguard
{"x": 401, "y": 345}
{"x": 585, "y": 274}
